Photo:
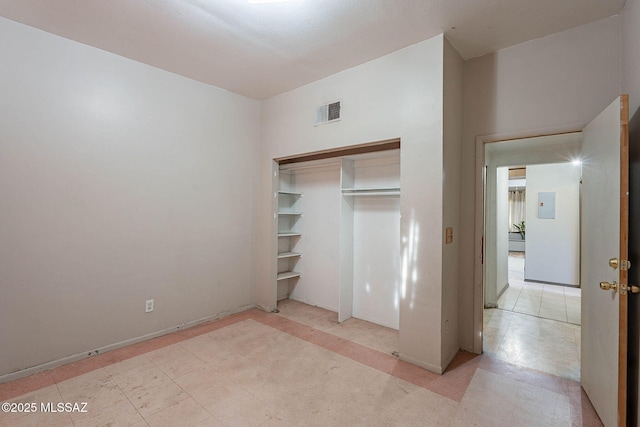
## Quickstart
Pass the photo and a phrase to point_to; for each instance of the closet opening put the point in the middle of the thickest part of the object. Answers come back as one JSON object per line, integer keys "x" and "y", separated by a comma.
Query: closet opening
{"x": 338, "y": 231}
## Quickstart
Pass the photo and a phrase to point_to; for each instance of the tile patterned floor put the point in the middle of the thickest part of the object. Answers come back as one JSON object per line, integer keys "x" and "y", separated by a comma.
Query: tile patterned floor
{"x": 553, "y": 302}
{"x": 535, "y": 326}
{"x": 299, "y": 367}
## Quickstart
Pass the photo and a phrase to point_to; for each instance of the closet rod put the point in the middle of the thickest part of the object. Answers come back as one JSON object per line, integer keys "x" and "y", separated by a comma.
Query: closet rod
{"x": 324, "y": 165}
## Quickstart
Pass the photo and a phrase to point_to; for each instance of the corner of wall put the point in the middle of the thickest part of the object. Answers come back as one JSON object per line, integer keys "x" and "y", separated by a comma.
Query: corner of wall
{"x": 452, "y": 165}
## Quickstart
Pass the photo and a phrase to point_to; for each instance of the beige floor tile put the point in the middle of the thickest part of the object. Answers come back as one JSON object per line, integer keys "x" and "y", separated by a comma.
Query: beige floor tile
{"x": 553, "y": 289}
{"x": 85, "y": 385}
{"x": 573, "y": 291}
{"x": 499, "y": 318}
{"x": 321, "y": 406}
{"x": 539, "y": 407}
{"x": 555, "y": 330}
{"x": 574, "y": 298}
{"x": 138, "y": 362}
{"x": 524, "y": 359}
{"x": 469, "y": 417}
{"x": 167, "y": 353}
{"x": 554, "y": 302}
{"x": 509, "y": 297}
{"x": 490, "y": 394}
{"x": 175, "y": 360}
{"x": 100, "y": 398}
{"x": 541, "y": 331}
{"x": 278, "y": 421}
{"x": 570, "y": 370}
{"x": 133, "y": 380}
{"x": 388, "y": 345}
{"x": 248, "y": 374}
{"x": 285, "y": 381}
{"x": 367, "y": 334}
{"x": 527, "y": 307}
{"x": 118, "y": 413}
{"x": 574, "y": 308}
{"x": 553, "y": 314}
{"x": 213, "y": 352}
{"x": 424, "y": 408}
{"x": 553, "y": 298}
{"x": 200, "y": 380}
{"x": 575, "y": 318}
{"x": 152, "y": 396}
{"x": 218, "y": 396}
{"x": 105, "y": 401}
{"x": 381, "y": 400}
{"x": 44, "y": 396}
{"x": 245, "y": 410}
{"x": 39, "y": 419}
{"x": 187, "y": 412}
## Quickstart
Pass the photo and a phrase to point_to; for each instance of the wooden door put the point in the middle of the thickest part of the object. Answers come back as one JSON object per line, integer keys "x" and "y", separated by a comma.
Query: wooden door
{"x": 605, "y": 200}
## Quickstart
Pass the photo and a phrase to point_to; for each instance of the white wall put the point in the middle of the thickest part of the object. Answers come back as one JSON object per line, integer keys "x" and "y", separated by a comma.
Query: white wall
{"x": 376, "y": 260}
{"x": 398, "y": 95}
{"x": 502, "y": 230}
{"x": 376, "y": 243}
{"x": 452, "y": 164}
{"x": 320, "y": 241}
{"x": 496, "y": 275}
{"x": 631, "y": 55}
{"x": 553, "y": 245}
{"x": 120, "y": 182}
{"x": 555, "y": 83}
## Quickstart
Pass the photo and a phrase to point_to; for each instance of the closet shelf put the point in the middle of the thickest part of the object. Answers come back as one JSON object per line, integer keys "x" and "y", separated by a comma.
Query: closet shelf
{"x": 289, "y": 234}
{"x": 289, "y": 255}
{"x": 383, "y": 191}
{"x": 290, "y": 213}
{"x": 290, "y": 193}
{"x": 288, "y": 275}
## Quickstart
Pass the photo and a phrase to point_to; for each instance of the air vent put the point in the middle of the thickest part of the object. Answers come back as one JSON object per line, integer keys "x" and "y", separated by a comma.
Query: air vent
{"x": 328, "y": 113}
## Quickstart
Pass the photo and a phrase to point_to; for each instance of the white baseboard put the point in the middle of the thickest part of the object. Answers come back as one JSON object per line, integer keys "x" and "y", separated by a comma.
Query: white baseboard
{"x": 427, "y": 366}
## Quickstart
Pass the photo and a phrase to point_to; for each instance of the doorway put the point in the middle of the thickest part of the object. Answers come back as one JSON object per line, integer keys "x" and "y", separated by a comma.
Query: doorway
{"x": 603, "y": 145}
{"x": 532, "y": 318}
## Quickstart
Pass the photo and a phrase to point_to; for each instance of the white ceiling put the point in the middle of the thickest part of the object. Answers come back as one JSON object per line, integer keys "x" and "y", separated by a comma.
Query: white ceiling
{"x": 260, "y": 50}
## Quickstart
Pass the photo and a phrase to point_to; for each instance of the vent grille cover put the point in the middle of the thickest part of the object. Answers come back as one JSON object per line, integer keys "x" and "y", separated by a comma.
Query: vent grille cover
{"x": 328, "y": 113}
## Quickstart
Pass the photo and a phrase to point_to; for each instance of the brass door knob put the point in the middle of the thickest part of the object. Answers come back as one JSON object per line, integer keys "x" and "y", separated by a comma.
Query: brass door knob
{"x": 606, "y": 286}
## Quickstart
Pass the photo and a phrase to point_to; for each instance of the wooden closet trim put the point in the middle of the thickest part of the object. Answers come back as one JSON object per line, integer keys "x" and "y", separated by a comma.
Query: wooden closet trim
{"x": 370, "y": 147}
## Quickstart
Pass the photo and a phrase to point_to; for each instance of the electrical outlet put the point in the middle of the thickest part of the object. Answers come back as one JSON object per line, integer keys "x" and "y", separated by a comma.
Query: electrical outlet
{"x": 148, "y": 308}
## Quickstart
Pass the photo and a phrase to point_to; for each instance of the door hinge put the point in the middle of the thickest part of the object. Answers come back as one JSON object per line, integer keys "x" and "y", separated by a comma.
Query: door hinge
{"x": 625, "y": 265}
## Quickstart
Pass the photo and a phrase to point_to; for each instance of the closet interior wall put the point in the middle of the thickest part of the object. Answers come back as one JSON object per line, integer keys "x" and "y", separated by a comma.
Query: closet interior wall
{"x": 350, "y": 236}
{"x": 375, "y": 195}
{"x": 318, "y": 183}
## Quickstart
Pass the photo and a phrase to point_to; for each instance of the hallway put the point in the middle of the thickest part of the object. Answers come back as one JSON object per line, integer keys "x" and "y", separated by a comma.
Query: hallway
{"x": 535, "y": 325}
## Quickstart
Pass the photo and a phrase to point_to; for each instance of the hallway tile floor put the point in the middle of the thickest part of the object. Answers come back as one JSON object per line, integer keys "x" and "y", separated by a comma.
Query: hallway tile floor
{"x": 296, "y": 368}
{"x": 535, "y": 326}
{"x": 553, "y": 302}
{"x": 542, "y": 344}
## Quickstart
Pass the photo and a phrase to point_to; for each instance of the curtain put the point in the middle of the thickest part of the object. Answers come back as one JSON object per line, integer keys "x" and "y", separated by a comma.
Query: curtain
{"x": 516, "y": 208}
